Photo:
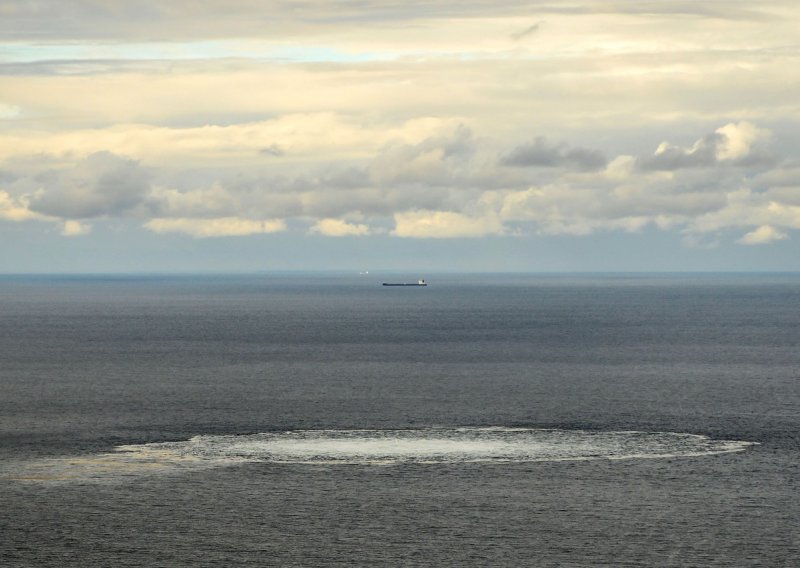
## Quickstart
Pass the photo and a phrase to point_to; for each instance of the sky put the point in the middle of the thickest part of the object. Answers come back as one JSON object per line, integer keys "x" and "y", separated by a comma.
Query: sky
{"x": 445, "y": 135}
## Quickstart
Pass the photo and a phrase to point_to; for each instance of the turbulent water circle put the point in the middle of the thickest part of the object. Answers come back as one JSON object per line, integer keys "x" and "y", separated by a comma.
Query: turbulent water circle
{"x": 459, "y": 445}
{"x": 379, "y": 447}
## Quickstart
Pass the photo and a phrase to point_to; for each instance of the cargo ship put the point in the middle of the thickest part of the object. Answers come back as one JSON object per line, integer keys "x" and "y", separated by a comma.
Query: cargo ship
{"x": 417, "y": 283}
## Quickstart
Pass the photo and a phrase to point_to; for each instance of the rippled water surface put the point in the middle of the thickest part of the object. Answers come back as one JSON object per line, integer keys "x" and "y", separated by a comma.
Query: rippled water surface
{"x": 328, "y": 421}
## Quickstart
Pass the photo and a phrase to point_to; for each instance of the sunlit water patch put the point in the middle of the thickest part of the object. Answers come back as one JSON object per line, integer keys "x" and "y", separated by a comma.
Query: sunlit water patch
{"x": 374, "y": 447}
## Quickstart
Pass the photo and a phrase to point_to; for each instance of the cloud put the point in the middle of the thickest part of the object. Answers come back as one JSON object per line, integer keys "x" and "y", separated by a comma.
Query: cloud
{"x": 206, "y": 202}
{"x": 746, "y": 208}
{"x": 339, "y": 228}
{"x": 702, "y": 153}
{"x": 433, "y": 161}
{"x": 103, "y": 184}
{"x": 272, "y": 150}
{"x": 561, "y": 209}
{"x": 227, "y": 117}
{"x": 540, "y": 153}
{"x": 730, "y": 143}
{"x": 13, "y": 209}
{"x": 220, "y": 227}
{"x": 444, "y": 225}
{"x": 180, "y": 19}
{"x": 73, "y": 228}
{"x": 529, "y": 31}
{"x": 738, "y": 139}
{"x": 318, "y": 136}
{"x": 433, "y": 179}
{"x": 762, "y": 235}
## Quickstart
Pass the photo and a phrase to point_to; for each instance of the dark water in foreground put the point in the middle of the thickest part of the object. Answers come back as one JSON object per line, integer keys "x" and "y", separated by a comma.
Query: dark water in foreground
{"x": 328, "y": 421}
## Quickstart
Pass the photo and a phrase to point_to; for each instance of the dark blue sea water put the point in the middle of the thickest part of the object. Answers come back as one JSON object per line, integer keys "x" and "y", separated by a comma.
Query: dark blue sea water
{"x": 321, "y": 420}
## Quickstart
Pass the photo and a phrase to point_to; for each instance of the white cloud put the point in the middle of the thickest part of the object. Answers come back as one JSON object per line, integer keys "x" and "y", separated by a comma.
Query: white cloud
{"x": 339, "y": 228}
{"x": 762, "y": 235}
{"x": 221, "y": 227}
{"x": 733, "y": 142}
{"x": 745, "y": 208}
{"x": 15, "y": 209}
{"x": 738, "y": 139}
{"x": 74, "y": 228}
{"x": 318, "y": 136}
{"x": 445, "y": 225}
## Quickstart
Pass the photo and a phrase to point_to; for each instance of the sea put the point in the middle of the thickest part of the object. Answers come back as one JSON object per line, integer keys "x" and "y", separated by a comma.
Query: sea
{"x": 321, "y": 419}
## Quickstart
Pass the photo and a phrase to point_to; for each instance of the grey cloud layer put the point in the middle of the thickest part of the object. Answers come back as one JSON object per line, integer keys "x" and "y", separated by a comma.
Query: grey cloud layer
{"x": 101, "y": 185}
{"x": 542, "y": 154}
{"x": 148, "y": 20}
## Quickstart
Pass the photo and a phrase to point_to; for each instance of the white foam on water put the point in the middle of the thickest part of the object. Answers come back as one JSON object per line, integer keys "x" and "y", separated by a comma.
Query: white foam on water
{"x": 373, "y": 447}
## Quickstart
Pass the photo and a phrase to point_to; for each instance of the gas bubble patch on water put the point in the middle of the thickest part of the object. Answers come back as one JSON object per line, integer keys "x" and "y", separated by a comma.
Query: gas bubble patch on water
{"x": 373, "y": 447}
